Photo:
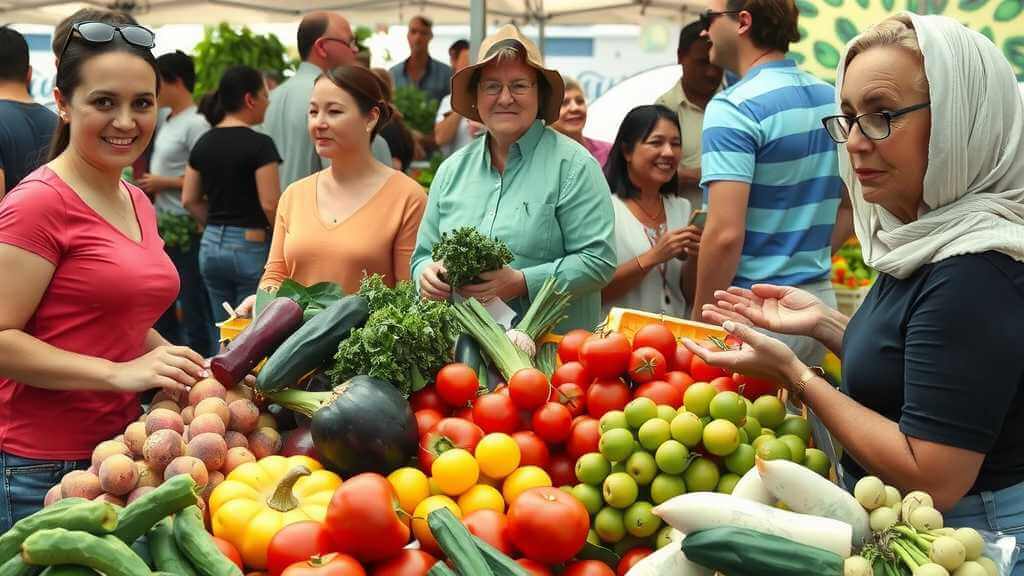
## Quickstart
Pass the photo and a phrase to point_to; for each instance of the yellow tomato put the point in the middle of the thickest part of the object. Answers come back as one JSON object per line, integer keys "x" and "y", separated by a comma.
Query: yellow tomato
{"x": 455, "y": 471}
{"x": 522, "y": 480}
{"x": 435, "y": 490}
{"x": 420, "y": 528}
{"x": 411, "y": 485}
{"x": 481, "y": 497}
{"x": 495, "y": 482}
{"x": 498, "y": 455}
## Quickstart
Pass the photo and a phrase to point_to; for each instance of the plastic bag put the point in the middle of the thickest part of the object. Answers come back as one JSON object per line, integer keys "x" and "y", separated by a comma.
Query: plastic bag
{"x": 1001, "y": 549}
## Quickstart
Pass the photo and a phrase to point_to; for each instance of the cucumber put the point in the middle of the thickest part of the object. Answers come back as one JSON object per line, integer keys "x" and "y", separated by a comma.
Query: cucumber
{"x": 17, "y": 567}
{"x": 93, "y": 517}
{"x": 456, "y": 541}
{"x": 501, "y": 565}
{"x": 141, "y": 548}
{"x": 173, "y": 495}
{"x": 441, "y": 569}
{"x": 69, "y": 570}
{"x": 108, "y": 554}
{"x": 164, "y": 550}
{"x": 744, "y": 552}
{"x": 198, "y": 547}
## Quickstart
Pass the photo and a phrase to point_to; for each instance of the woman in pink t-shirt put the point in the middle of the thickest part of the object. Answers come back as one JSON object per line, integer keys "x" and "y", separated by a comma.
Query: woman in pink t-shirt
{"x": 87, "y": 274}
{"x": 573, "y": 117}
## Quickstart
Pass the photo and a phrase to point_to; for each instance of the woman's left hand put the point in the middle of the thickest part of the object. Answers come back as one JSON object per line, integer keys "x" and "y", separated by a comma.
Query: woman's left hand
{"x": 692, "y": 236}
{"x": 759, "y": 355}
{"x": 505, "y": 283}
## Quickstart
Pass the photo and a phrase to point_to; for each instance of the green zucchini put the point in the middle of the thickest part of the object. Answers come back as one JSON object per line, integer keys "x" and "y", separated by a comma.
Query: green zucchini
{"x": 441, "y": 569}
{"x": 17, "y": 567}
{"x": 456, "y": 541}
{"x": 69, "y": 570}
{"x": 744, "y": 552}
{"x": 59, "y": 546}
{"x": 94, "y": 517}
{"x": 314, "y": 343}
{"x": 198, "y": 547}
{"x": 164, "y": 550}
{"x": 501, "y": 565}
{"x": 137, "y": 518}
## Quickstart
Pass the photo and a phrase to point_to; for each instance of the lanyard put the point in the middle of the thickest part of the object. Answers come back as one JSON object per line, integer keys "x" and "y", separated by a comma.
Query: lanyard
{"x": 652, "y": 235}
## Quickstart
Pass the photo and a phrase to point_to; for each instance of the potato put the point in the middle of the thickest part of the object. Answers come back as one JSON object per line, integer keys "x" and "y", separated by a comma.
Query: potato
{"x": 188, "y": 465}
{"x": 164, "y": 419}
{"x": 264, "y": 442}
{"x": 165, "y": 405}
{"x": 213, "y": 406}
{"x": 187, "y": 413}
{"x": 235, "y": 458}
{"x": 140, "y": 491}
{"x": 204, "y": 423}
{"x": 236, "y": 439}
{"x": 118, "y": 438}
{"x": 244, "y": 416}
{"x": 115, "y": 500}
{"x": 239, "y": 392}
{"x": 106, "y": 449}
{"x": 135, "y": 438}
{"x": 210, "y": 448}
{"x": 161, "y": 447}
{"x": 80, "y": 484}
{"x": 164, "y": 394}
{"x": 118, "y": 475}
{"x": 215, "y": 479}
{"x": 147, "y": 475}
{"x": 52, "y": 495}
{"x": 208, "y": 388}
{"x": 266, "y": 421}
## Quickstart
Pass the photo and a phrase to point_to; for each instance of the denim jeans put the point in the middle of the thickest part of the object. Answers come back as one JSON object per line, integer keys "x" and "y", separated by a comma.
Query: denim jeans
{"x": 231, "y": 266}
{"x": 25, "y": 483}
{"x": 1001, "y": 512}
{"x": 196, "y": 331}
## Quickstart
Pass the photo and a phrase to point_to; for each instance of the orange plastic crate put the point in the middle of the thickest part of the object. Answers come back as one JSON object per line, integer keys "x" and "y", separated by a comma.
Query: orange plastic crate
{"x": 628, "y": 322}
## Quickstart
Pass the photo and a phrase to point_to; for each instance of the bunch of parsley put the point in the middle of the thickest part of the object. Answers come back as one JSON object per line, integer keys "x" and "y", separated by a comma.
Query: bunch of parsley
{"x": 466, "y": 253}
{"x": 405, "y": 341}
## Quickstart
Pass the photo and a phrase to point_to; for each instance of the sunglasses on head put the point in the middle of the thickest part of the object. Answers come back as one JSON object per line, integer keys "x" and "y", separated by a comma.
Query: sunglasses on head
{"x": 101, "y": 32}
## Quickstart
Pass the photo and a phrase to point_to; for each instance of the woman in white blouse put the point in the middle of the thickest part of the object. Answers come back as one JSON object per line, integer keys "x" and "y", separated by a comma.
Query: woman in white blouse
{"x": 657, "y": 247}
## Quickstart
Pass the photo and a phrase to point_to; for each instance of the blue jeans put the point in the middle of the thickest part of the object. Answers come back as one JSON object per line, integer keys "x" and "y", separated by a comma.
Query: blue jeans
{"x": 231, "y": 266}
{"x": 1001, "y": 512}
{"x": 25, "y": 483}
{"x": 196, "y": 331}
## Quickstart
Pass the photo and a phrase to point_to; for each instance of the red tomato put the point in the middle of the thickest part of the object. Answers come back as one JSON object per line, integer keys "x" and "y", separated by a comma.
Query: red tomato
{"x": 496, "y": 413}
{"x": 465, "y": 413}
{"x": 228, "y": 549}
{"x": 661, "y": 392}
{"x": 532, "y": 450}
{"x": 548, "y": 525}
{"x": 405, "y": 563}
{"x": 562, "y": 470}
{"x": 456, "y": 384}
{"x": 572, "y": 397}
{"x": 646, "y": 364}
{"x": 630, "y": 559}
{"x": 607, "y": 395}
{"x": 681, "y": 380}
{"x": 657, "y": 336}
{"x": 754, "y": 388}
{"x": 725, "y": 384}
{"x": 427, "y": 398}
{"x": 552, "y": 422}
{"x": 571, "y": 373}
{"x": 491, "y": 527}
{"x": 297, "y": 543}
{"x": 533, "y": 567}
{"x": 704, "y": 372}
{"x": 426, "y": 419}
{"x": 529, "y": 388}
{"x": 605, "y": 356}
{"x": 588, "y": 568}
{"x": 330, "y": 565}
{"x": 569, "y": 347}
{"x": 362, "y": 518}
{"x": 681, "y": 359}
{"x": 584, "y": 437}
{"x": 449, "y": 433}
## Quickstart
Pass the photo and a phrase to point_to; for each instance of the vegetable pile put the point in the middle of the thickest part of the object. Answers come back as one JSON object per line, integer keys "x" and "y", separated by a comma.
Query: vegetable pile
{"x": 466, "y": 253}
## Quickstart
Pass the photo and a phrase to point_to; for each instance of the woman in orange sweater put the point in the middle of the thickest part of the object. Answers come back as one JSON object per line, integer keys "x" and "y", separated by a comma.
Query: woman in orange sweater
{"x": 355, "y": 217}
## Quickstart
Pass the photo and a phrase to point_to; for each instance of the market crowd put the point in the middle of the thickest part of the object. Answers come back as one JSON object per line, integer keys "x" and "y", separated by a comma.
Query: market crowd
{"x": 720, "y": 203}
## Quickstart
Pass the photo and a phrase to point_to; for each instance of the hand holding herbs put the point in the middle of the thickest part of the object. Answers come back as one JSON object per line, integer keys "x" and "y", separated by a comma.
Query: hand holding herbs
{"x": 466, "y": 253}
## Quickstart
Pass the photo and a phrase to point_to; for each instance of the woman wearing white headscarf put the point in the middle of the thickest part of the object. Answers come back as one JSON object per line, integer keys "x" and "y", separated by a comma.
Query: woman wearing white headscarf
{"x": 932, "y": 149}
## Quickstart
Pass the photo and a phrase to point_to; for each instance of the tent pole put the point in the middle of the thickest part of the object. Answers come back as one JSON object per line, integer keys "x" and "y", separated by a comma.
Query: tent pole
{"x": 477, "y": 27}
{"x": 541, "y": 33}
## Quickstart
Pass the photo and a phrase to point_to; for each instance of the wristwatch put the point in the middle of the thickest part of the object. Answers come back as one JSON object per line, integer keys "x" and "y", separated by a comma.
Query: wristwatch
{"x": 798, "y": 387}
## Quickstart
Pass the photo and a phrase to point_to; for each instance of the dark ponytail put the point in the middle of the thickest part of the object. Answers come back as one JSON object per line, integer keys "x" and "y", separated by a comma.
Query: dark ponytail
{"x": 235, "y": 84}
{"x": 60, "y": 139}
{"x": 366, "y": 89}
{"x": 210, "y": 107}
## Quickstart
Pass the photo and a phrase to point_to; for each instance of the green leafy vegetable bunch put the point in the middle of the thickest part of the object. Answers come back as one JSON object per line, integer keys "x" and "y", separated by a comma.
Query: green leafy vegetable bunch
{"x": 466, "y": 253}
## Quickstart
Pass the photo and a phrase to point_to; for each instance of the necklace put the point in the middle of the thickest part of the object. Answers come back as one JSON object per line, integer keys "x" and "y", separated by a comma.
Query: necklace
{"x": 657, "y": 216}
{"x": 758, "y": 59}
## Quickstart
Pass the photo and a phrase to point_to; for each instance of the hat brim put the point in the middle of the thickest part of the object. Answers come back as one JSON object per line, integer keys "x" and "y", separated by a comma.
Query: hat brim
{"x": 464, "y": 96}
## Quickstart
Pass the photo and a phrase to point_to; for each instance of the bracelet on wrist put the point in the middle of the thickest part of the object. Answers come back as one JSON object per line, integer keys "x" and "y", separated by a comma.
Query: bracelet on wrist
{"x": 798, "y": 386}
{"x": 639, "y": 265}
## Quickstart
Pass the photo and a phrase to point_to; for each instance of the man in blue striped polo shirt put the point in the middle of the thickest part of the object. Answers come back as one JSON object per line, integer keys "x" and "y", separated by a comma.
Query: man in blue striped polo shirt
{"x": 769, "y": 169}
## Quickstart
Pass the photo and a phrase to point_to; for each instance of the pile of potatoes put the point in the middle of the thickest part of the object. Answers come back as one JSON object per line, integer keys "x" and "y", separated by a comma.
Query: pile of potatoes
{"x": 214, "y": 433}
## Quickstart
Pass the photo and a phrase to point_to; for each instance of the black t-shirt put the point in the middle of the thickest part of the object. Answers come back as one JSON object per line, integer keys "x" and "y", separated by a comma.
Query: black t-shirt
{"x": 227, "y": 160}
{"x": 25, "y": 132}
{"x": 940, "y": 352}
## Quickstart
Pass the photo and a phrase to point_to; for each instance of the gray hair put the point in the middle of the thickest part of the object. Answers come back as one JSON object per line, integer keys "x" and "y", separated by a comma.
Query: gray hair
{"x": 896, "y": 31}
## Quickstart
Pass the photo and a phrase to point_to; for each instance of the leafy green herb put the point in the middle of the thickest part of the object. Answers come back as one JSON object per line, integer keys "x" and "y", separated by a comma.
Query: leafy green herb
{"x": 313, "y": 299}
{"x": 405, "y": 341}
{"x": 177, "y": 230}
{"x": 466, "y": 253}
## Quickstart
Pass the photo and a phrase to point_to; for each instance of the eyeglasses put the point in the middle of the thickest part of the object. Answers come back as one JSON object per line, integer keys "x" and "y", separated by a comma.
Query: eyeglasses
{"x": 101, "y": 32}
{"x": 351, "y": 43}
{"x": 873, "y": 125}
{"x": 517, "y": 88}
{"x": 708, "y": 16}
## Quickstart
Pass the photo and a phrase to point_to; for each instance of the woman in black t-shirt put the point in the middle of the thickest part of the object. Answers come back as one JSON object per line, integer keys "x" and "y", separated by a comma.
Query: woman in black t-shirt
{"x": 932, "y": 367}
{"x": 231, "y": 186}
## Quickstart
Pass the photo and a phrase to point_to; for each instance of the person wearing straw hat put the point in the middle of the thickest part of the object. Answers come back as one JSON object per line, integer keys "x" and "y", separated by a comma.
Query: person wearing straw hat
{"x": 931, "y": 128}
{"x": 537, "y": 190}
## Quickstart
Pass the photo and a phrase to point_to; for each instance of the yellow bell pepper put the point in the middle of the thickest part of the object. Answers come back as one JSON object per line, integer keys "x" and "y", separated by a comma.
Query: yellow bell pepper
{"x": 257, "y": 499}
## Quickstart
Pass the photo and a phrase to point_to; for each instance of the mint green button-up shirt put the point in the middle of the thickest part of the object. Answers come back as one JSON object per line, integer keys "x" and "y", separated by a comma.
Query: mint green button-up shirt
{"x": 551, "y": 206}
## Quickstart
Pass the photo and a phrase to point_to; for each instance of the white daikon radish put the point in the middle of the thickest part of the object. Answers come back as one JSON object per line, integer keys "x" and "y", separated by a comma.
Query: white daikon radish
{"x": 668, "y": 561}
{"x": 857, "y": 566}
{"x": 805, "y": 491}
{"x": 750, "y": 487}
{"x": 970, "y": 568}
{"x": 930, "y": 569}
{"x": 701, "y": 510}
{"x": 973, "y": 543}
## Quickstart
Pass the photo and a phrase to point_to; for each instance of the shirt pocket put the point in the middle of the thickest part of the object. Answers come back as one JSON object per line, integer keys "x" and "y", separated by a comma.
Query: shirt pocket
{"x": 537, "y": 232}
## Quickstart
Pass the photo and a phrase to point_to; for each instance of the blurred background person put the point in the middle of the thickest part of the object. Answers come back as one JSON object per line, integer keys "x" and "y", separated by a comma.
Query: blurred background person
{"x": 25, "y": 127}
{"x": 573, "y": 117}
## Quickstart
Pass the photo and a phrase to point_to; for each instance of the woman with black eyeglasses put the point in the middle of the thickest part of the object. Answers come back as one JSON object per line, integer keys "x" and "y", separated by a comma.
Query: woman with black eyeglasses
{"x": 87, "y": 275}
{"x": 932, "y": 134}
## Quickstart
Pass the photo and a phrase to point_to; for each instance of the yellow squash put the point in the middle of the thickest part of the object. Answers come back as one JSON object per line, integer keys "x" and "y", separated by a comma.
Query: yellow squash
{"x": 259, "y": 498}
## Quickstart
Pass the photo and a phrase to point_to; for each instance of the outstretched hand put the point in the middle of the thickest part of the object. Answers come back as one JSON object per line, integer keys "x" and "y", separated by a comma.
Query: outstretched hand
{"x": 781, "y": 309}
{"x": 759, "y": 355}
